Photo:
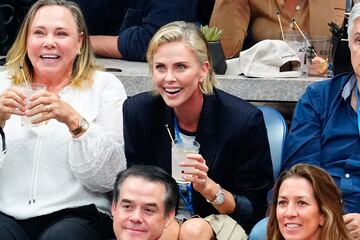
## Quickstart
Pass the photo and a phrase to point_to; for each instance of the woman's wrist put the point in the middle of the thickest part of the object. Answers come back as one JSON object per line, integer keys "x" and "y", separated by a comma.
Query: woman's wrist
{"x": 210, "y": 190}
{"x": 83, "y": 126}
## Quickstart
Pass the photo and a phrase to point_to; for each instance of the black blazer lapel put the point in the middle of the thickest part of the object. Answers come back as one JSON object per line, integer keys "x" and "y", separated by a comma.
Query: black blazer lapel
{"x": 206, "y": 134}
{"x": 161, "y": 142}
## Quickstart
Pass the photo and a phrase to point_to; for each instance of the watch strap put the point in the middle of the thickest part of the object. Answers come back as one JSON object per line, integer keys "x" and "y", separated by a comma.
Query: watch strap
{"x": 82, "y": 126}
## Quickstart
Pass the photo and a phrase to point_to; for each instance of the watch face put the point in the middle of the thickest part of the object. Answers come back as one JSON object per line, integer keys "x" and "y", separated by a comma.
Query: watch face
{"x": 84, "y": 124}
{"x": 220, "y": 198}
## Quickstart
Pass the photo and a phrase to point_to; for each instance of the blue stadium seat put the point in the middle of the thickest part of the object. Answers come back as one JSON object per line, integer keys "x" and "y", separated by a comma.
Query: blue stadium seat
{"x": 276, "y": 130}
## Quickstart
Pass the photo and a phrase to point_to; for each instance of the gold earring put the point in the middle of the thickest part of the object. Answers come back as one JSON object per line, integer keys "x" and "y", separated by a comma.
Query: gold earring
{"x": 78, "y": 52}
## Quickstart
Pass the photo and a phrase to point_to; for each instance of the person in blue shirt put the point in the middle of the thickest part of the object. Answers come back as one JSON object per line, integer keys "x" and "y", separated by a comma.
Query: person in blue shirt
{"x": 123, "y": 29}
{"x": 325, "y": 129}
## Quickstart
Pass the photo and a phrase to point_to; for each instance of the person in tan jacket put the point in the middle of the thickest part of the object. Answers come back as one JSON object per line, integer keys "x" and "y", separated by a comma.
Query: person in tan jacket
{"x": 246, "y": 22}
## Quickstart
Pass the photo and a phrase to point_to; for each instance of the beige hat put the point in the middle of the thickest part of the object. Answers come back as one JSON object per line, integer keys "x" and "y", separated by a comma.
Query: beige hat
{"x": 267, "y": 58}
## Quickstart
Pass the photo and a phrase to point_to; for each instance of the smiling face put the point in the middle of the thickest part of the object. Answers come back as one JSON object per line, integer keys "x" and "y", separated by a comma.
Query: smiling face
{"x": 53, "y": 42}
{"x": 297, "y": 211}
{"x": 140, "y": 210}
{"x": 177, "y": 73}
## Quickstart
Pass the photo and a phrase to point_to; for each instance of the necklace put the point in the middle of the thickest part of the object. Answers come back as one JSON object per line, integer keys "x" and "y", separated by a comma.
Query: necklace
{"x": 296, "y": 11}
{"x": 299, "y": 5}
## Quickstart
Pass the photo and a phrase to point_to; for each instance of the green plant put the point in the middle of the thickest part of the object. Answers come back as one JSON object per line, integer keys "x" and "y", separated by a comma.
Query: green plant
{"x": 212, "y": 34}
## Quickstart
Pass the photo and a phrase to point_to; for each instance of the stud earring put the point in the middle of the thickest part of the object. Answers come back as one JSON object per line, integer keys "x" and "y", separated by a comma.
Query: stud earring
{"x": 78, "y": 52}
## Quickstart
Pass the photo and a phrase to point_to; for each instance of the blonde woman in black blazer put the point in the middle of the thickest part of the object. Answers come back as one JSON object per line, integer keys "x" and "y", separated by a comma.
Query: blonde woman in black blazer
{"x": 234, "y": 153}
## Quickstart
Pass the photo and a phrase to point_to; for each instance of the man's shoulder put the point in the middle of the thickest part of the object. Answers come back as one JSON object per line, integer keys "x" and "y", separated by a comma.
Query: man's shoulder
{"x": 330, "y": 87}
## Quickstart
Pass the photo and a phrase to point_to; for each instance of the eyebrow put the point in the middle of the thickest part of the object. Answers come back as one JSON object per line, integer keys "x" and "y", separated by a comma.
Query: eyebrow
{"x": 180, "y": 62}
{"x": 125, "y": 201}
{"x": 297, "y": 197}
{"x": 151, "y": 205}
{"x": 146, "y": 204}
{"x": 43, "y": 27}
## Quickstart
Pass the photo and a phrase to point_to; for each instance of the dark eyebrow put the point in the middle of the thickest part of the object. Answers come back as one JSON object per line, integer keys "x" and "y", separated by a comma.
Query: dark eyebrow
{"x": 146, "y": 204}
{"x": 152, "y": 205}
{"x": 296, "y": 197}
{"x": 125, "y": 201}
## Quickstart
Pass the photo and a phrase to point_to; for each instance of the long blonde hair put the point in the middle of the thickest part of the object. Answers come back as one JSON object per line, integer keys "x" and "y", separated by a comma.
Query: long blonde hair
{"x": 84, "y": 64}
{"x": 328, "y": 198}
{"x": 193, "y": 38}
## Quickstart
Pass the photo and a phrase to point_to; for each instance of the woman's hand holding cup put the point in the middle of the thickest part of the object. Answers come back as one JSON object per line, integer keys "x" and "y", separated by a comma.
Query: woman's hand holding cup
{"x": 12, "y": 101}
{"x": 50, "y": 106}
{"x": 196, "y": 171}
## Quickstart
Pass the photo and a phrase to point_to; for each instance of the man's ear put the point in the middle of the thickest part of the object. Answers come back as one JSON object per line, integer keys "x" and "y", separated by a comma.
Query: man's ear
{"x": 113, "y": 208}
{"x": 169, "y": 218}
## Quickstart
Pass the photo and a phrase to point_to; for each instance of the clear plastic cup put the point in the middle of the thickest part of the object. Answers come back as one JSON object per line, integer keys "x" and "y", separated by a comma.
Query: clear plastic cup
{"x": 29, "y": 90}
{"x": 318, "y": 56}
{"x": 297, "y": 42}
{"x": 178, "y": 154}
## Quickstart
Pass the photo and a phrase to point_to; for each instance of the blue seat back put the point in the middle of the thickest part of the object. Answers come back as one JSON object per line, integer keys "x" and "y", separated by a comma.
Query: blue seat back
{"x": 276, "y": 130}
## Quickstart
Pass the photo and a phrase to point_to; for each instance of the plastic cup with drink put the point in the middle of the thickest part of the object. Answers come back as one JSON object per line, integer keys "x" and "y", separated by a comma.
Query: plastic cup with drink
{"x": 297, "y": 42}
{"x": 179, "y": 151}
{"x": 318, "y": 56}
{"x": 30, "y": 89}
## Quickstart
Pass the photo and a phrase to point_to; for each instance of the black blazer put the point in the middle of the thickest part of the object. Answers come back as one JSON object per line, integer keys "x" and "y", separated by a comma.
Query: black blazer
{"x": 233, "y": 141}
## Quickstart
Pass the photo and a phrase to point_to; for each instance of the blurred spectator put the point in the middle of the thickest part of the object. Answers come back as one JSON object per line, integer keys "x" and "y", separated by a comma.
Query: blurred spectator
{"x": 123, "y": 29}
{"x": 11, "y": 15}
{"x": 246, "y": 22}
{"x": 204, "y": 11}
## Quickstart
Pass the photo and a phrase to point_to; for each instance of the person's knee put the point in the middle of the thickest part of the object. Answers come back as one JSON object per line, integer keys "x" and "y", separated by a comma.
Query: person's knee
{"x": 70, "y": 229}
{"x": 196, "y": 228}
{"x": 11, "y": 230}
{"x": 259, "y": 230}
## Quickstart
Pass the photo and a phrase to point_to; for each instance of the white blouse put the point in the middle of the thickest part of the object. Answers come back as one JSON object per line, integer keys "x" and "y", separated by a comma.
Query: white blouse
{"x": 45, "y": 169}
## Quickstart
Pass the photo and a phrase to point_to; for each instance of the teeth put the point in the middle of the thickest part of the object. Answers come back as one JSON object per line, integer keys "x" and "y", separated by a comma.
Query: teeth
{"x": 292, "y": 225}
{"x": 172, "y": 90}
{"x": 50, "y": 56}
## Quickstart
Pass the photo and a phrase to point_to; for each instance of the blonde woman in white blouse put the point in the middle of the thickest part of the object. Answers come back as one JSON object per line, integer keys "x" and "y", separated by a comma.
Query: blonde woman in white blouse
{"x": 57, "y": 170}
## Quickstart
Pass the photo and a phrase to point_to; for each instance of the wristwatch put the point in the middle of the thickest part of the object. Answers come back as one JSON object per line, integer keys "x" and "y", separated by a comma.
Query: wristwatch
{"x": 83, "y": 126}
{"x": 219, "y": 197}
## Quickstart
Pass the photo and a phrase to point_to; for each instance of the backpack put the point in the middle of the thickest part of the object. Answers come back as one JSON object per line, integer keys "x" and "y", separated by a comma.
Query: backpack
{"x": 341, "y": 57}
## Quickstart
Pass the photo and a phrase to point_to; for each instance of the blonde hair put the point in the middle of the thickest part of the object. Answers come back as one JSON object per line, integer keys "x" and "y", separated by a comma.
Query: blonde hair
{"x": 328, "y": 198}
{"x": 193, "y": 38}
{"x": 84, "y": 64}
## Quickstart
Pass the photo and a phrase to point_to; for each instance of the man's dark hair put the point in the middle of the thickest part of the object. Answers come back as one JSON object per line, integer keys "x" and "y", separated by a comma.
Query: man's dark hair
{"x": 152, "y": 174}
